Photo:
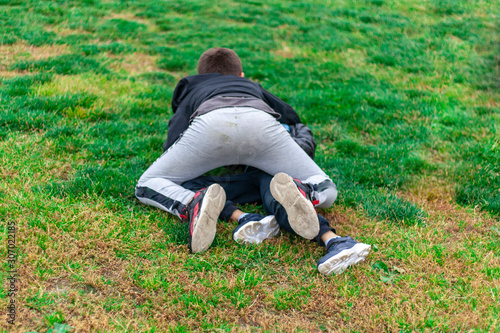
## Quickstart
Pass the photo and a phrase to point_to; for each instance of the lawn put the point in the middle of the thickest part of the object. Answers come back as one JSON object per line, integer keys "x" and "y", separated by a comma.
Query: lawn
{"x": 404, "y": 102}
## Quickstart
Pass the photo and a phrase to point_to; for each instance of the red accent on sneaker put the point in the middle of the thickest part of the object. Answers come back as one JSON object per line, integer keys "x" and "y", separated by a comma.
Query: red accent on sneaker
{"x": 197, "y": 193}
{"x": 195, "y": 215}
{"x": 315, "y": 202}
{"x": 184, "y": 217}
{"x": 298, "y": 188}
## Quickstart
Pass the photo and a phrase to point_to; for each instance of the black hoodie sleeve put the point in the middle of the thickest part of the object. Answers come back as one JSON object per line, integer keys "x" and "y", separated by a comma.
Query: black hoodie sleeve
{"x": 179, "y": 121}
{"x": 180, "y": 93}
{"x": 303, "y": 136}
{"x": 176, "y": 125}
{"x": 288, "y": 114}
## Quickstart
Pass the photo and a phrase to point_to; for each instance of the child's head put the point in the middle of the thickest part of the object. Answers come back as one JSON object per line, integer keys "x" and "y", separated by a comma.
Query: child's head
{"x": 220, "y": 60}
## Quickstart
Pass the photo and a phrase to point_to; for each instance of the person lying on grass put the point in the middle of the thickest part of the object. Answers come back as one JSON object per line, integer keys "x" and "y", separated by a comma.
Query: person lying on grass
{"x": 220, "y": 119}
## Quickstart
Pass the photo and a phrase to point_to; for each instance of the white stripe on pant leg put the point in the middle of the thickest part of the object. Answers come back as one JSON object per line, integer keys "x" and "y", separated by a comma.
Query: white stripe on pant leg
{"x": 147, "y": 201}
{"x": 169, "y": 189}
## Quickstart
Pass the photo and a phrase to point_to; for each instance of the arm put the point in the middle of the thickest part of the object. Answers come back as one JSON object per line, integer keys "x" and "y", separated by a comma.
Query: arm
{"x": 303, "y": 136}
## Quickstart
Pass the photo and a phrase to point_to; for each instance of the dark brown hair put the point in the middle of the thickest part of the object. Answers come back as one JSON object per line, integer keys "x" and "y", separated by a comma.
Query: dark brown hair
{"x": 219, "y": 60}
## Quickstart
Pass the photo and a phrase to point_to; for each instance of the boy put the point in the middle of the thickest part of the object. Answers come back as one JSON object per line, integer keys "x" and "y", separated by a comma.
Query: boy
{"x": 220, "y": 118}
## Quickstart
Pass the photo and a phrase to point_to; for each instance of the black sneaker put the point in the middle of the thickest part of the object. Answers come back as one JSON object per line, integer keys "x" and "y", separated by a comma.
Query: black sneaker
{"x": 342, "y": 253}
{"x": 202, "y": 212}
{"x": 297, "y": 200}
{"x": 255, "y": 228}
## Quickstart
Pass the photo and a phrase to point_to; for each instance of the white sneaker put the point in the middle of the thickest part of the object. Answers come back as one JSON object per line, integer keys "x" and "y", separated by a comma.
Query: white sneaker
{"x": 203, "y": 212}
{"x": 255, "y": 228}
{"x": 342, "y": 253}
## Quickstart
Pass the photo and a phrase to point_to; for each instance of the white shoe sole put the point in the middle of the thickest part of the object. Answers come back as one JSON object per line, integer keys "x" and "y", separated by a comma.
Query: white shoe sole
{"x": 256, "y": 232}
{"x": 353, "y": 256}
{"x": 205, "y": 226}
{"x": 301, "y": 213}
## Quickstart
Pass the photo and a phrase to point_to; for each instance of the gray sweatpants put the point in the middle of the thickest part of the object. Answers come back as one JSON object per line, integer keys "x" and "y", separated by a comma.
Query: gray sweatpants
{"x": 228, "y": 136}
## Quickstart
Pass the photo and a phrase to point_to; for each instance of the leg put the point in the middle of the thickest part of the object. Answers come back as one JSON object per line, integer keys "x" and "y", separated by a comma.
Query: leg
{"x": 342, "y": 252}
{"x": 188, "y": 158}
{"x": 273, "y": 207}
{"x": 201, "y": 148}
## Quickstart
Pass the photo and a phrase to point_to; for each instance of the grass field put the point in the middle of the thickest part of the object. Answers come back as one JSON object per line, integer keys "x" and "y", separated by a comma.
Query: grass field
{"x": 403, "y": 99}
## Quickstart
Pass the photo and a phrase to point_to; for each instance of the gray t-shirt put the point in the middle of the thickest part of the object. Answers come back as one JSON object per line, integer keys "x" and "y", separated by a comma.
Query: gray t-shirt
{"x": 220, "y": 102}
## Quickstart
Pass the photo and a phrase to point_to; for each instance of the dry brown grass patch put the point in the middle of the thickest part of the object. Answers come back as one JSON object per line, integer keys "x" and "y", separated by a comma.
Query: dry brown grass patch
{"x": 10, "y": 74}
{"x": 287, "y": 51}
{"x": 25, "y": 51}
{"x": 138, "y": 63}
{"x": 66, "y": 31}
{"x": 436, "y": 195}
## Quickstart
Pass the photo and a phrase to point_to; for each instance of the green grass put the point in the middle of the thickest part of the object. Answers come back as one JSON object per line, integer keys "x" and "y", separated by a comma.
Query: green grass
{"x": 402, "y": 97}
{"x": 65, "y": 64}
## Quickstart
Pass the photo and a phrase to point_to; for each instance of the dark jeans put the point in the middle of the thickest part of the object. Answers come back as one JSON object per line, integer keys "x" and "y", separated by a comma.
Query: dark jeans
{"x": 248, "y": 188}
